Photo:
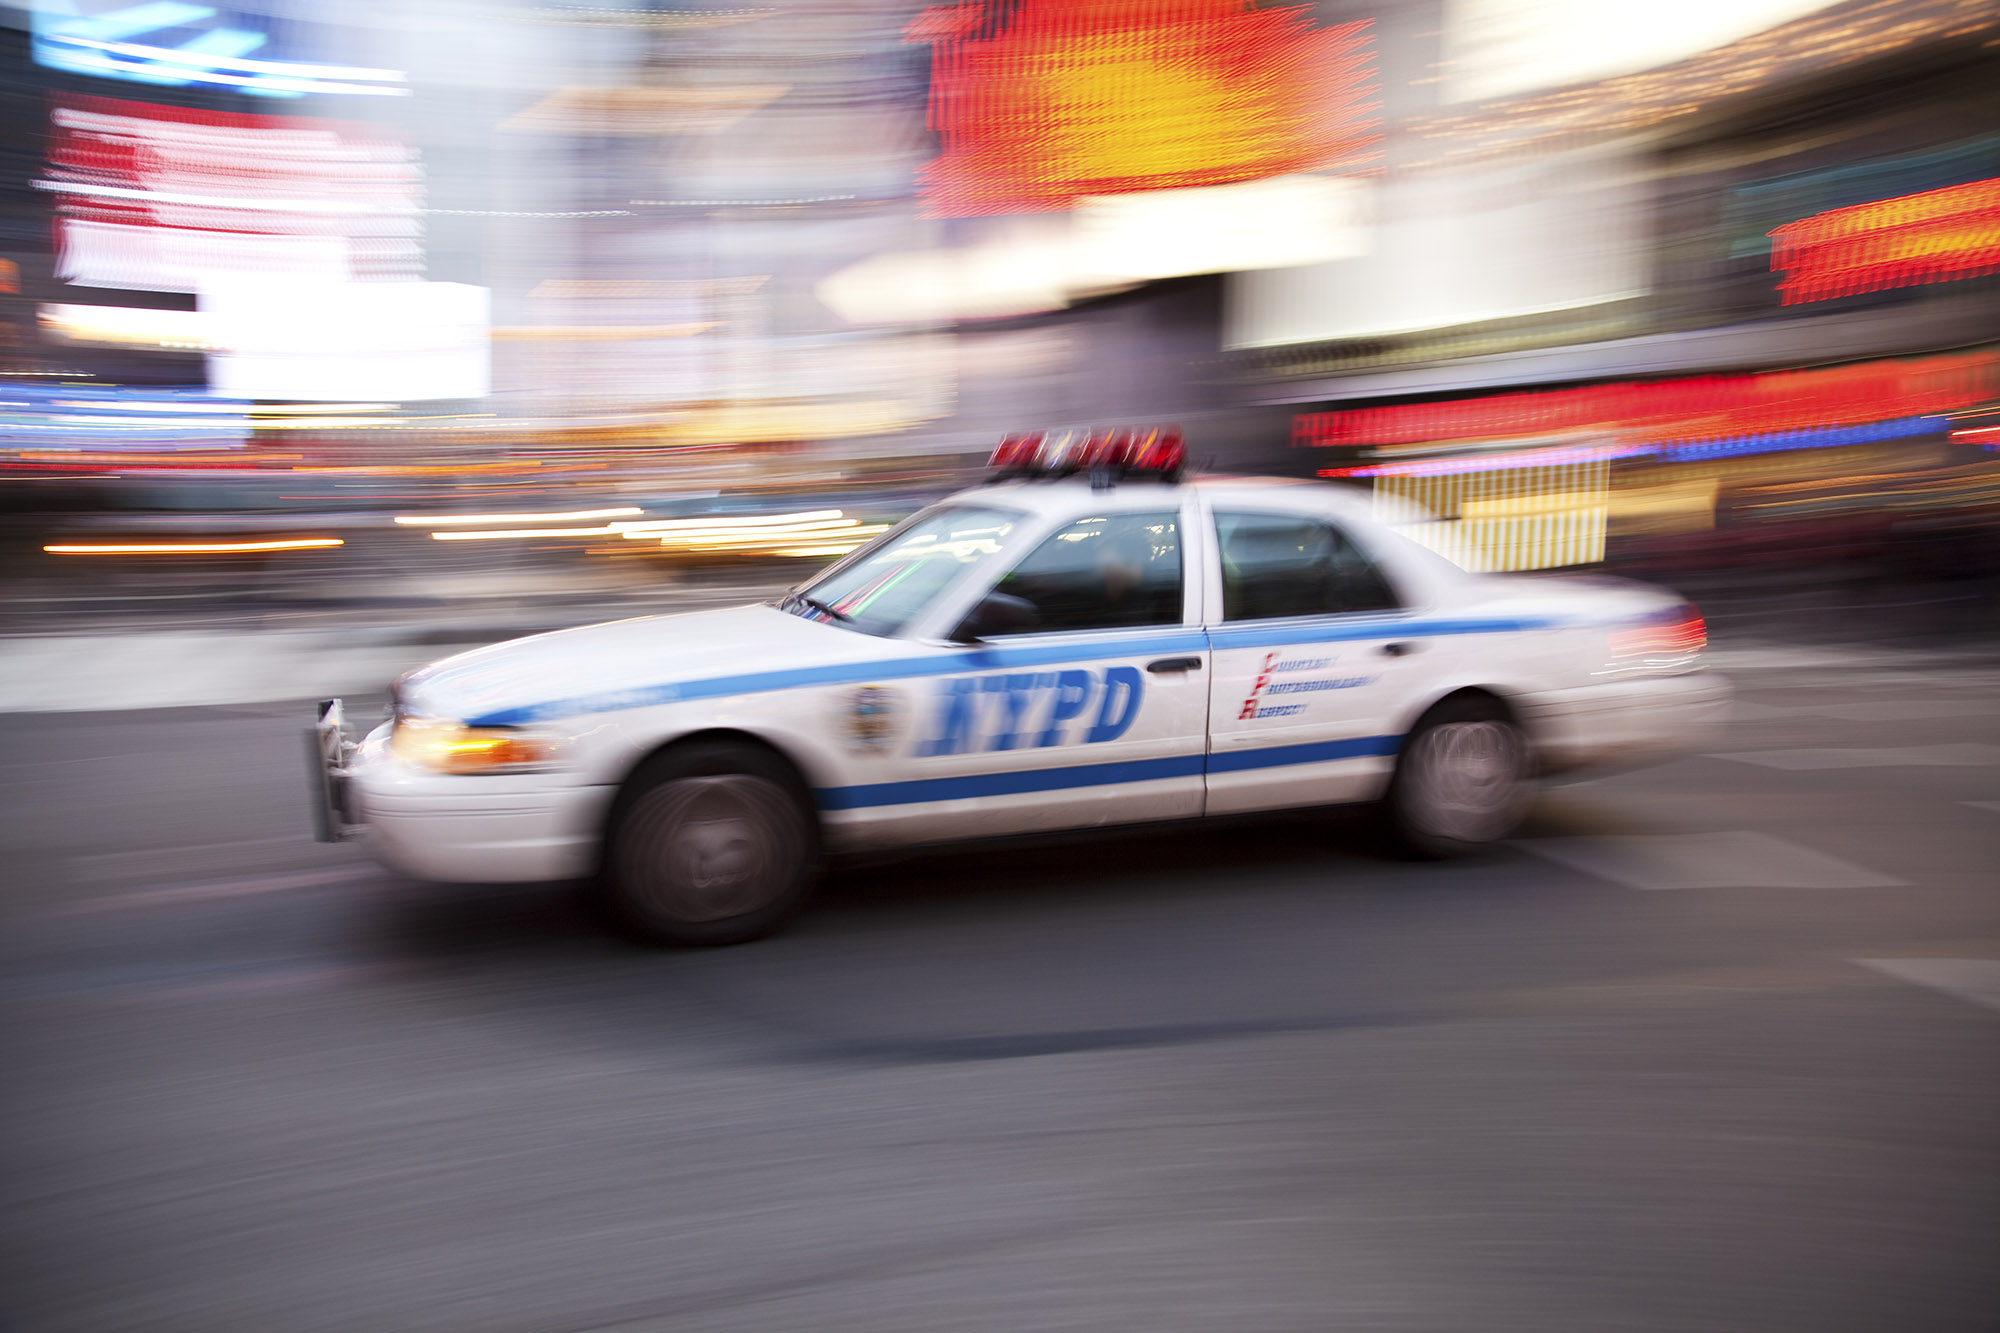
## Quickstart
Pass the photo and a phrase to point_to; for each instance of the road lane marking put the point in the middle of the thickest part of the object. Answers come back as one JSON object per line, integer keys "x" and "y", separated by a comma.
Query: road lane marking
{"x": 173, "y": 895}
{"x": 1985, "y": 805}
{"x": 115, "y": 865}
{"x": 226, "y": 987}
{"x": 1957, "y": 754}
{"x": 1873, "y": 710}
{"x": 1738, "y": 860}
{"x": 1974, "y": 979}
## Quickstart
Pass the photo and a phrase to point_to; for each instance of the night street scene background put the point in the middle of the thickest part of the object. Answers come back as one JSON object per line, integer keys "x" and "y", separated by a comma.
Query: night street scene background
{"x": 338, "y": 338}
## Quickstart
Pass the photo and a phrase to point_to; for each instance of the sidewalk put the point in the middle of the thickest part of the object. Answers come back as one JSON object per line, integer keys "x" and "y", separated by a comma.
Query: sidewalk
{"x": 47, "y": 673}
{"x": 267, "y": 659}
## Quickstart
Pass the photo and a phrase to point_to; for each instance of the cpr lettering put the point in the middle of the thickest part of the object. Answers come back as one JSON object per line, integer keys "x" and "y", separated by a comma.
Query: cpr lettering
{"x": 1249, "y": 709}
{"x": 1042, "y": 708}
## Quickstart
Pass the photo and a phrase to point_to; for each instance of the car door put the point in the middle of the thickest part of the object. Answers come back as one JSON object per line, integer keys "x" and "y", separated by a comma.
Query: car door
{"x": 1092, "y": 712}
{"x": 1312, "y": 664}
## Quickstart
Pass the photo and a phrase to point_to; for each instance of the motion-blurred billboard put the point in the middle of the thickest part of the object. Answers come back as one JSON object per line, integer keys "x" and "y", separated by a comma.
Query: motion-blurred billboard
{"x": 175, "y": 43}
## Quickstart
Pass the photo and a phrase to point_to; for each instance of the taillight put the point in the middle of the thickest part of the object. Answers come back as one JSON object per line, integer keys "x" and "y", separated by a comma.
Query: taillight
{"x": 1671, "y": 640}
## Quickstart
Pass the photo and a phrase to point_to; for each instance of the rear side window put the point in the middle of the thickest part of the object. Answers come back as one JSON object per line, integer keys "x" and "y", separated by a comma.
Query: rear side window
{"x": 1288, "y": 565}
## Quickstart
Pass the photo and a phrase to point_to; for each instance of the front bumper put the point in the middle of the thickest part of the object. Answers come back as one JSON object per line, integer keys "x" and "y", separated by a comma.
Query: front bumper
{"x": 1627, "y": 723}
{"x": 467, "y": 830}
{"x": 329, "y": 755}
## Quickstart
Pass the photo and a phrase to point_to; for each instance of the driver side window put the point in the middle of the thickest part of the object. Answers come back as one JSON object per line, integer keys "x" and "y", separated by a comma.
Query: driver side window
{"x": 1113, "y": 572}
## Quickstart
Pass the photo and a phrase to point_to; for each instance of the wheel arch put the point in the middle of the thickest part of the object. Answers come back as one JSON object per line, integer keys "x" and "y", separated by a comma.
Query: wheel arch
{"x": 724, "y": 735}
{"x": 1500, "y": 697}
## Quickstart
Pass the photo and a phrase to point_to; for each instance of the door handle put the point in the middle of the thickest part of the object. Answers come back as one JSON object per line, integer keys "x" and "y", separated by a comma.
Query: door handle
{"x": 1400, "y": 649}
{"x": 1167, "y": 664}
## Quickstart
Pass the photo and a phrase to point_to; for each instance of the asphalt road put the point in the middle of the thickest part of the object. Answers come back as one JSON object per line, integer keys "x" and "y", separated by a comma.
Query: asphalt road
{"x": 1716, "y": 1047}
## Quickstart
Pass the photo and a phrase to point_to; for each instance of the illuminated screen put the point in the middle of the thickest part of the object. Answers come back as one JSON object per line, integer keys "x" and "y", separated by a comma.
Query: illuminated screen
{"x": 175, "y": 43}
{"x": 1061, "y": 100}
{"x": 1782, "y": 228}
{"x": 1908, "y": 241}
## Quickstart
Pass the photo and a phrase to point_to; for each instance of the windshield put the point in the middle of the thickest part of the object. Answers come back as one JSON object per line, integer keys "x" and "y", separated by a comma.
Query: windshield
{"x": 885, "y": 588}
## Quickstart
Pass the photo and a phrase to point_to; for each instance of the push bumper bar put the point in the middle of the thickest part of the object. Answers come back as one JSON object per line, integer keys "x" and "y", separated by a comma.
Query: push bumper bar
{"x": 329, "y": 753}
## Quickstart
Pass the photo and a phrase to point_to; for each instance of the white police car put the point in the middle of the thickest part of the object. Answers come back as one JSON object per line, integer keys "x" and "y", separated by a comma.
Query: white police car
{"x": 1085, "y": 641}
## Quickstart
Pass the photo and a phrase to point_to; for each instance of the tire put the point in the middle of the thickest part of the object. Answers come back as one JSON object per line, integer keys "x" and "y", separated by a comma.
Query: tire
{"x": 1464, "y": 780}
{"x": 710, "y": 843}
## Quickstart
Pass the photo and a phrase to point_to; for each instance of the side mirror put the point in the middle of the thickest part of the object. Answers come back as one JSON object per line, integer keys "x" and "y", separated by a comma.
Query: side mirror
{"x": 996, "y": 613}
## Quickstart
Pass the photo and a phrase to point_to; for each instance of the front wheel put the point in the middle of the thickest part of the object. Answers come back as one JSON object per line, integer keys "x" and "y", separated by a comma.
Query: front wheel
{"x": 1464, "y": 779}
{"x": 710, "y": 844}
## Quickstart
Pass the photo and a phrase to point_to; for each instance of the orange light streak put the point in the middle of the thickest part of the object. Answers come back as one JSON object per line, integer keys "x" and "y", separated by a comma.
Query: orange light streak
{"x": 1936, "y": 236}
{"x": 449, "y": 520}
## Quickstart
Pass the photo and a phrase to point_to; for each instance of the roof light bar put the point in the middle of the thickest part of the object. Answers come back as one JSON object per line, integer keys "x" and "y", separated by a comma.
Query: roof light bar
{"x": 1107, "y": 455}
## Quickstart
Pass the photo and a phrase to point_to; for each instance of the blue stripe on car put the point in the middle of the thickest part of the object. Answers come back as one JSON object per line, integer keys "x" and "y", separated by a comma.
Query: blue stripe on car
{"x": 1263, "y": 635}
{"x": 848, "y": 673}
{"x": 1098, "y": 775}
{"x": 1008, "y": 784}
{"x": 1313, "y": 752}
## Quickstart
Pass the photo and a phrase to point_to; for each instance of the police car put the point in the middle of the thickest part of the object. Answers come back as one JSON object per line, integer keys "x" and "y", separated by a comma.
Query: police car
{"x": 1085, "y": 640}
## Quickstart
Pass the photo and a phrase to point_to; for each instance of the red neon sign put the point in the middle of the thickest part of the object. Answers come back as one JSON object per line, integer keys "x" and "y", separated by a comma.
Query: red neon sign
{"x": 158, "y": 197}
{"x": 1712, "y": 407}
{"x": 1065, "y": 99}
{"x": 1936, "y": 236}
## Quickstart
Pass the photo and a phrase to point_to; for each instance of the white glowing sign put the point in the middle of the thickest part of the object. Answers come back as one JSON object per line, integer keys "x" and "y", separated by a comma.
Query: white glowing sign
{"x": 348, "y": 342}
{"x": 1107, "y": 243}
{"x": 1497, "y": 48}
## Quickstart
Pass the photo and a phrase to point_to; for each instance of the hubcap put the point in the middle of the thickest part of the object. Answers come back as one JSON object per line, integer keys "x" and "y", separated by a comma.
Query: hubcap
{"x": 709, "y": 848}
{"x": 1467, "y": 780}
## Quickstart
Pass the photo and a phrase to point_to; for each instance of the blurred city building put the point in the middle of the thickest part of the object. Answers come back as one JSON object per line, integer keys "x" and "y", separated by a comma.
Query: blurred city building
{"x": 1563, "y": 286}
{"x": 1708, "y": 288}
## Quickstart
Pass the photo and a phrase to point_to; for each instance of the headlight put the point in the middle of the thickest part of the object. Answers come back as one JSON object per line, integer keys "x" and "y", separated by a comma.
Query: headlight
{"x": 453, "y": 747}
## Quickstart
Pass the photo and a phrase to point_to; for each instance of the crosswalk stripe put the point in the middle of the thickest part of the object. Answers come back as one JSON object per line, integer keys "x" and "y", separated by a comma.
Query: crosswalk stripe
{"x": 1974, "y": 979}
{"x": 1728, "y": 860}
{"x": 1957, "y": 754}
{"x": 176, "y": 894}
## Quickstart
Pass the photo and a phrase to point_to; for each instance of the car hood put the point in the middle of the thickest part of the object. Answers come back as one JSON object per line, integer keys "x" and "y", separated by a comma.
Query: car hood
{"x": 629, "y": 664}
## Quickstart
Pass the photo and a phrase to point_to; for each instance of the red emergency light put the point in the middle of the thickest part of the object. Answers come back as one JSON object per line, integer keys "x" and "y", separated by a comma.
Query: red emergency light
{"x": 1107, "y": 455}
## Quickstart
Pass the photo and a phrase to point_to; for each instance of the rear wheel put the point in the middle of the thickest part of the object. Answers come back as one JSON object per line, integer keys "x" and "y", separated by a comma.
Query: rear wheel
{"x": 711, "y": 843}
{"x": 1463, "y": 781}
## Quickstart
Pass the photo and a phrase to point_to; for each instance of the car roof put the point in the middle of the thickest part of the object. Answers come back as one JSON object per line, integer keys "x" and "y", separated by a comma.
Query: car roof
{"x": 1060, "y": 496}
